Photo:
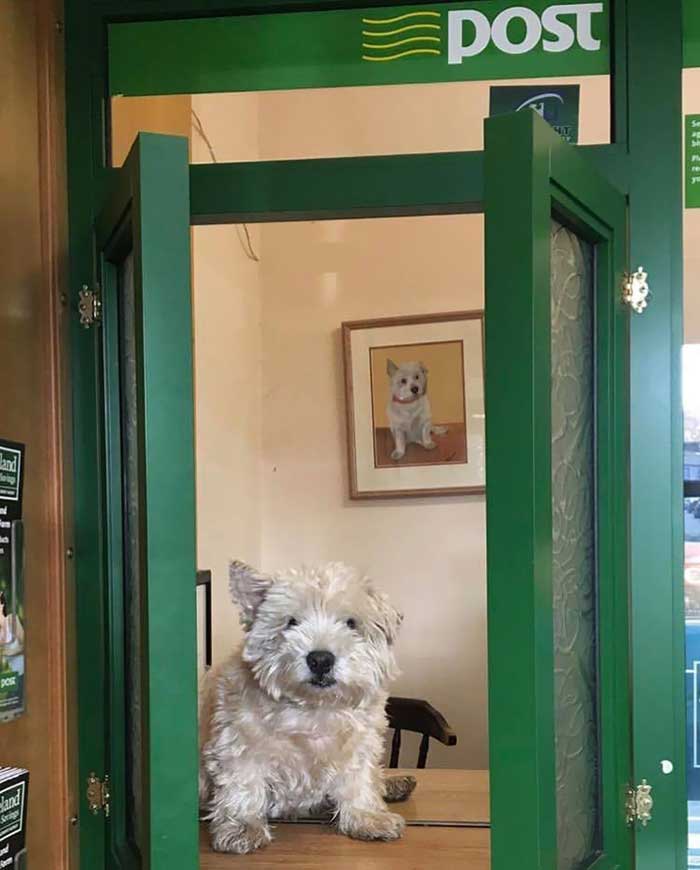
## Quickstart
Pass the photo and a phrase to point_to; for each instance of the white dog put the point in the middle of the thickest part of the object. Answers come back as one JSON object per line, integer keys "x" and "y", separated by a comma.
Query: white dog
{"x": 294, "y": 721}
{"x": 408, "y": 409}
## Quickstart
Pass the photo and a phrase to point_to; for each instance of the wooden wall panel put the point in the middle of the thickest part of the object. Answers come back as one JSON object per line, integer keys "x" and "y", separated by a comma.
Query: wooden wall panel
{"x": 32, "y": 230}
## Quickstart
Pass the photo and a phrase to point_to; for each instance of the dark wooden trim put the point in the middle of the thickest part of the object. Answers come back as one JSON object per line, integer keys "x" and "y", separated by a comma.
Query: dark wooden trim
{"x": 61, "y": 837}
{"x": 204, "y": 579}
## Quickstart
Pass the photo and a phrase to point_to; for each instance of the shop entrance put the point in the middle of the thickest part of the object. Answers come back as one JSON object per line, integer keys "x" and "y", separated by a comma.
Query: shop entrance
{"x": 556, "y": 403}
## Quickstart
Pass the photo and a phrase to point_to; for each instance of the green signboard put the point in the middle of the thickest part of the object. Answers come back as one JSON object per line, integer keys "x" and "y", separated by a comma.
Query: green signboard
{"x": 692, "y": 161}
{"x": 441, "y": 42}
{"x": 691, "y": 33}
{"x": 557, "y": 104}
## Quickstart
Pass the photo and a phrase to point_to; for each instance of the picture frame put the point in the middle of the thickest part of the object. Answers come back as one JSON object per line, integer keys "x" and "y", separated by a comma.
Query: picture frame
{"x": 414, "y": 396}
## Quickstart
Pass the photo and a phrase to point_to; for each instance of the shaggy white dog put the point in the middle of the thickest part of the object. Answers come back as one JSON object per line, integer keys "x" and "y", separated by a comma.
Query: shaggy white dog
{"x": 293, "y": 722}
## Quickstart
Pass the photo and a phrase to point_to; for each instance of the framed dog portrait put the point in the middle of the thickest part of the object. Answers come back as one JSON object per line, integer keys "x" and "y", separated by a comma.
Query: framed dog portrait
{"x": 414, "y": 391}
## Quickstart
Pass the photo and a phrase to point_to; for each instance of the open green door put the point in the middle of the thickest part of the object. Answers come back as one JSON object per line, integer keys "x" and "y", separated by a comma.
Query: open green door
{"x": 557, "y": 412}
{"x": 146, "y": 668}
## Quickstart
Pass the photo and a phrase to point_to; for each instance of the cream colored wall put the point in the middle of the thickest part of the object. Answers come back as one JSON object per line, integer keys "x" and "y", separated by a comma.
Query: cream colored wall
{"x": 429, "y": 554}
{"x": 347, "y": 122}
{"x": 132, "y": 115}
{"x": 228, "y": 405}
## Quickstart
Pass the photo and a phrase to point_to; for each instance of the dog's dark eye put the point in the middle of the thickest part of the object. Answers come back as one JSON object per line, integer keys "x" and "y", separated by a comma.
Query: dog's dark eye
{"x": 417, "y": 377}
{"x": 292, "y": 622}
{"x": 403, "y": 380}
{"x": 351, "y": 624}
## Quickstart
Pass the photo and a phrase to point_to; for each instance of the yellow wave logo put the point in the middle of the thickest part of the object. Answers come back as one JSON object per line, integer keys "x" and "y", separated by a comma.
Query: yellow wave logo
{"x": 414, "y": 33}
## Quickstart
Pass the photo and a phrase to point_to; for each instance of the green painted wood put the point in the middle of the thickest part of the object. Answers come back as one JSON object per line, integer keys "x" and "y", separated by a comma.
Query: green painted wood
{"x": 148, "y": 212}
{"x": 656, "y": 428}
{"x": 121, "y": 852}
{"x": 531, "y": 173}
{"x": 442, "y": 183}
{"x": 647, "y": 160}
{"x": 522, "y": 758}
{"x": 88, "y": 518}
{"x": 691, "y": 33}
{"x": 162, "y": 273}
{"x": 348, "y": 187}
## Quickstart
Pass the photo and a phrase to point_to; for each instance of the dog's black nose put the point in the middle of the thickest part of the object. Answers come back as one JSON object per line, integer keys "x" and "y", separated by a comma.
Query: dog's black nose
{"x": 320, "y": 661}
{"x": 414, "y": 390}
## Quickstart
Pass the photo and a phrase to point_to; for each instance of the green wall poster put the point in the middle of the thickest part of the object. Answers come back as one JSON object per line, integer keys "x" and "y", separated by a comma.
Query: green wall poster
{"x": 436, "y": 42}
{"x": 557, "y": 104}
{"x": 12, "y": 617}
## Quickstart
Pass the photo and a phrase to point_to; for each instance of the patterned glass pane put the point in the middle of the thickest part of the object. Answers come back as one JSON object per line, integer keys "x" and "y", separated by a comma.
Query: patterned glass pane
{"x": 132, "y": 550}
{"x": 574, "y": 550}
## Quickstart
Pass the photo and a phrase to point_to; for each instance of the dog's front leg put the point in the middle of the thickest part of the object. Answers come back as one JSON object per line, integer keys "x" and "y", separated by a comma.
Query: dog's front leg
{"x": 427, "y": 436}
{"x": 362, "y": 813}
{"x": 399, "y": 443}
{"x": 238, "y": 815}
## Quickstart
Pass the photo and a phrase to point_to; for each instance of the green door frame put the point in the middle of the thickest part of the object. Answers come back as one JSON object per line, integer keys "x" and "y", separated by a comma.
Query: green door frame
{"x": 644, "y": 162}
{"x": 147, "y": 215}
{"x": 525, "y": 187}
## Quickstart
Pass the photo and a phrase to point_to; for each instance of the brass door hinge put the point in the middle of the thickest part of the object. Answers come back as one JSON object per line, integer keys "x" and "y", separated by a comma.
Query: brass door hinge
{"x": 89, "y": 306}
{"x": 639, "y": 804}
{"x": 635, "y": 290}
{"x": 98, "y": 795}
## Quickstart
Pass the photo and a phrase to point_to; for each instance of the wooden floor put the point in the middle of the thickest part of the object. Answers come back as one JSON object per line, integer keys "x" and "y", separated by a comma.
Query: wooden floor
{"x": 441, "y": 796}
{"x": 451, "y": 447}
{"x": 316, "y": 847}
{"x": 458, "y": 796}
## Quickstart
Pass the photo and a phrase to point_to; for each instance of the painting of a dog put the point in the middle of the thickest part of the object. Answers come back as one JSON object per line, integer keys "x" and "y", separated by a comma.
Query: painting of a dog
{"x": 414, "y": 388}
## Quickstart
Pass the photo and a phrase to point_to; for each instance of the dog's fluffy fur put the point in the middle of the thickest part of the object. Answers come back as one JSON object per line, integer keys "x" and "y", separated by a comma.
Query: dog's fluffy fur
{"x": 408, "y": 408}
{"x": 281, "y": 741}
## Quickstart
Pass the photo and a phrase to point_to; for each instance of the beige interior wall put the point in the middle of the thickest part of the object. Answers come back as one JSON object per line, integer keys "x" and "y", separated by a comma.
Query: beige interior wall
{"x": 691, "y": 228}
{"x": 356, "y": 121}
{"x": 427, "y": 554}
{"x": 227, "y": 311}
{"x": 132, "y": 115}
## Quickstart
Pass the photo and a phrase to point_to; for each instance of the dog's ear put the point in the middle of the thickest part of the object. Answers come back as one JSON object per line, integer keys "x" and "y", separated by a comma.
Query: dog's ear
{"x": 423, "y": 368}
{"x": 391, "y": 367}
{"x": 248, "y": 589}
{"x": 385, "y": 617}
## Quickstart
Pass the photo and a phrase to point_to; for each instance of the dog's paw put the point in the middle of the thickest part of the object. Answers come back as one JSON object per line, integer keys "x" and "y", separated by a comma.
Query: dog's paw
{"x": 398, "y": 788}
{"x": 398, "y": 454}
{"x": 368, "y": 825}
{"x": 429, "y": 445}
{"x": 240, "y": 838}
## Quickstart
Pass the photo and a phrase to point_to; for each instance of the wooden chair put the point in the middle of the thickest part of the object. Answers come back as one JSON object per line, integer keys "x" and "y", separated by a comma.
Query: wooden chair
{"x": 414, "y": 714}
